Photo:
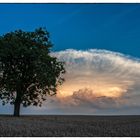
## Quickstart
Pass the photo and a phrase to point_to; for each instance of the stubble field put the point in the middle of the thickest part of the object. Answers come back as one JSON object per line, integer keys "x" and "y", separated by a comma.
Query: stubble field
{"x": 69, "y": 126}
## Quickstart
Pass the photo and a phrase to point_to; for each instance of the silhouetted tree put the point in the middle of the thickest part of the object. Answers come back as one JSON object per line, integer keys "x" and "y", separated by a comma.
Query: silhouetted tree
{"x": 28, "y": 73}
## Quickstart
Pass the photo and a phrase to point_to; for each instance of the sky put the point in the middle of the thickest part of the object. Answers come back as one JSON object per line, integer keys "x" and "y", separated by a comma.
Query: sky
{"x": 100, "y": 45}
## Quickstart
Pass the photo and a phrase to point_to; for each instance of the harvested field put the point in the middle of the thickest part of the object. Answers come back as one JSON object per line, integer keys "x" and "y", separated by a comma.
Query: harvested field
{"x": 67, "y": 126}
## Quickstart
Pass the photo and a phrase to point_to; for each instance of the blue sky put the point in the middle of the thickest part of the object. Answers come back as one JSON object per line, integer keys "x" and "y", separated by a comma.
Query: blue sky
{"x": 114, "y": 27}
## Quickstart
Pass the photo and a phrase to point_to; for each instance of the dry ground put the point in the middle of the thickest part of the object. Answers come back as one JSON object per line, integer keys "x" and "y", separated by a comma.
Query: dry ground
{"x": 79, "y": 126}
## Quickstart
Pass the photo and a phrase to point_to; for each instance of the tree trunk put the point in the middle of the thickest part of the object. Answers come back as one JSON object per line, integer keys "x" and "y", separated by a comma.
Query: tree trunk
{"x": 17, "y": 108}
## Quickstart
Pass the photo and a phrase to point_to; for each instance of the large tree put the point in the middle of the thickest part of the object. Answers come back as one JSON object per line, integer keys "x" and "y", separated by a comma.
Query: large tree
{"x": 28, "y": 73}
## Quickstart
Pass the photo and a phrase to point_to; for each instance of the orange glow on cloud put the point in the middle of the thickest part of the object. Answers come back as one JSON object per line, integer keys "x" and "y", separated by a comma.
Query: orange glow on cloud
{"x": 98, "y": 90}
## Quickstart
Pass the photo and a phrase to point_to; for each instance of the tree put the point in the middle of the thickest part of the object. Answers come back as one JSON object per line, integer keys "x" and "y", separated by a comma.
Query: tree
{"x": 28, "y": 73}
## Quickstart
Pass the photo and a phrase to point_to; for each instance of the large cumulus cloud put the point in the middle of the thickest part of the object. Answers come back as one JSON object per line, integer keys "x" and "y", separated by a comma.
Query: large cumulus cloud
{"x": 96, "y": 82}
{"x": 107, "y": 73}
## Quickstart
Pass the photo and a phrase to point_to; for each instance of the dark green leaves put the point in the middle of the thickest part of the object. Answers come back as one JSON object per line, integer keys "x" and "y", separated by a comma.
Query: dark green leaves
{"x": 27, "y": 68}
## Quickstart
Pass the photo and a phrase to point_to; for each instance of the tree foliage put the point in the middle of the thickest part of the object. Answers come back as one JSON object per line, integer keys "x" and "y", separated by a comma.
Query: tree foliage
{"x": 27, "y": 70}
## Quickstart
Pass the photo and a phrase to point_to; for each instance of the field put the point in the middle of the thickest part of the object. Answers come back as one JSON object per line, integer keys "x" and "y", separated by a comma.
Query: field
{"x": 67, "y": 126}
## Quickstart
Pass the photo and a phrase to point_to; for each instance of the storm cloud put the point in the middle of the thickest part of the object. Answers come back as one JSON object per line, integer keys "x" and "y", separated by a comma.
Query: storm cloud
{"x": 100, "y": 70}
{"x": 96, "y": 82}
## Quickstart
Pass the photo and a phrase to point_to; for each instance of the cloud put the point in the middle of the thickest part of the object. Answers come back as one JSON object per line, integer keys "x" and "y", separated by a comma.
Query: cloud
{"x": 106, "y": 73}
{"x": 97, "y": 82}
{"x": 86, "y": 98}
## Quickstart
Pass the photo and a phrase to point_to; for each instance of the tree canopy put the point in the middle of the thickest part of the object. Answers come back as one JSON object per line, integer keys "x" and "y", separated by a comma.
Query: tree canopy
{"x": 28, "y": 72}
